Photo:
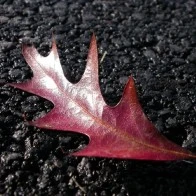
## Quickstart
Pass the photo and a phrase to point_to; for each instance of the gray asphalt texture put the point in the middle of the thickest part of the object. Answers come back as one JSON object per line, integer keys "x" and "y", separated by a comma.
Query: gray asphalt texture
{"x": 152, "y": 40}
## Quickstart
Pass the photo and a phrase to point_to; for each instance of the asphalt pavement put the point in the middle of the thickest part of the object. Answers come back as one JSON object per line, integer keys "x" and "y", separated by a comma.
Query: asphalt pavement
{"x": 152, "y": 40}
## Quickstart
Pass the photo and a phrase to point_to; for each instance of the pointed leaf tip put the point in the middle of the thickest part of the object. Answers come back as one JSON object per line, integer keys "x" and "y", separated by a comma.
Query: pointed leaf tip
{"x": 93, "y": 37}
{"x": 90, "y": 76}
{"x": 130, "y": 92}
{"x": 24, "y": 48}
{"x": 93, "y": 43}
{"x": 54, "y": 46}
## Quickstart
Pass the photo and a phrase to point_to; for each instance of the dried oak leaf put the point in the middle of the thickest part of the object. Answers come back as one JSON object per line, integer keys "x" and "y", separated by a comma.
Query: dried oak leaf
{"x": 122, "y": 131}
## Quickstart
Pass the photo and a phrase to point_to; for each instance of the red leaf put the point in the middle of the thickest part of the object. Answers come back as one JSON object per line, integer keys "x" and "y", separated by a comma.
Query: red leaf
{"x": 122, "y": 131}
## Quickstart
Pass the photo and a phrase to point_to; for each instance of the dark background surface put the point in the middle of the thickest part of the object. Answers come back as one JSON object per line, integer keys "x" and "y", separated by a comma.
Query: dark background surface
{"x": 154, "y": 40}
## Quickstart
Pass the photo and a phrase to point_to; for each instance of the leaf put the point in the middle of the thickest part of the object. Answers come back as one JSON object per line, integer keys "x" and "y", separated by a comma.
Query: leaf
{"x": 122, "y": 131}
